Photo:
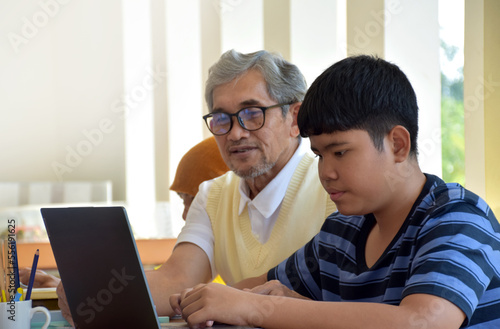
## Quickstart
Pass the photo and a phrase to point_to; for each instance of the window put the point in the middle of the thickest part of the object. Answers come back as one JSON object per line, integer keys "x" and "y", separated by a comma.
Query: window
{"x": 451, "y": 21}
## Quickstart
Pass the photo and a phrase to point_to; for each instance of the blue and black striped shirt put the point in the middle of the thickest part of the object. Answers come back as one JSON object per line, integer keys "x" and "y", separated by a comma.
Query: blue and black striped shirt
{"x": 449, "y": 246}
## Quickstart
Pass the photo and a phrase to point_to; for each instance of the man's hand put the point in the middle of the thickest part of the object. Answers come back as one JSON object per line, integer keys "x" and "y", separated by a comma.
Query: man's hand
{"x": 187, "y": 267}
{"x": 63, "y": 304}
{"x": 42, "y": 279}
{"x": 275, "y": 288}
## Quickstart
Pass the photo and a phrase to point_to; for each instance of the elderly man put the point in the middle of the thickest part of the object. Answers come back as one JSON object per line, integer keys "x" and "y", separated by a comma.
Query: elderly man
{"x": 271, "y": 202}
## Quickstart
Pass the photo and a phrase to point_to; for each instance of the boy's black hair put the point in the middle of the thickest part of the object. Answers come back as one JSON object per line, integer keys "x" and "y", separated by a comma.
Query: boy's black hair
{"x": 360, "y": 92}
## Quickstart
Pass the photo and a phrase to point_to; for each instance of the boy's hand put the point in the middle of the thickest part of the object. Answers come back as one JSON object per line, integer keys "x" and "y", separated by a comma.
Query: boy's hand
{"x": 275, "y": 288}
{"x": 176, "y": 299}
{"x": 206, "y": 303}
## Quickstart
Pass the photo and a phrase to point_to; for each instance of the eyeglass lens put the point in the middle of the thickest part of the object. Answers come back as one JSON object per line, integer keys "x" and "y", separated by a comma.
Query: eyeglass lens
{"x": 250, "y": 119}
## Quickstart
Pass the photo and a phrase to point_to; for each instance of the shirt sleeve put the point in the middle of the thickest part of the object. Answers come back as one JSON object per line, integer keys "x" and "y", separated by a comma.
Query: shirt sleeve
{"x": 300, "y": 272}
{"x": 458, "y": 255}
{"x": 198, "y": 229}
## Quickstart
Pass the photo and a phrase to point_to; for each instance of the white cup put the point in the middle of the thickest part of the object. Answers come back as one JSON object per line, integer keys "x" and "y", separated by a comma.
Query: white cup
{"x": 17, "y": 315}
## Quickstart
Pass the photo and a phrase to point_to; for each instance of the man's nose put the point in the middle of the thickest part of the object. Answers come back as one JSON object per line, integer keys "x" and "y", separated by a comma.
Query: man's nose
{"x": 237, "y": 132}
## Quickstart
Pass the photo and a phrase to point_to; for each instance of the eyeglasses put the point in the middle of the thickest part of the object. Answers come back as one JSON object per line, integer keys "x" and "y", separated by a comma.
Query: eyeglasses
{"x": 250, "y": 118}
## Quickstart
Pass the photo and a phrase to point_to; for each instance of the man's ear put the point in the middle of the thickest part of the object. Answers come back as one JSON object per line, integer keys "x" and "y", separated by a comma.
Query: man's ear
{"x": 400, "y": 141}
{"x": 294, "y": 111}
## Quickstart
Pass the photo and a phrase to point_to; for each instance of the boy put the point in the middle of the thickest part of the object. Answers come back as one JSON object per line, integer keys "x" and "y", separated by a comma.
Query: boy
{"x": 404, "y": 250}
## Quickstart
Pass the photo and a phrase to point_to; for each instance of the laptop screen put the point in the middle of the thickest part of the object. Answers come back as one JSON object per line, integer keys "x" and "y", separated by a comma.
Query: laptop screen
{"x": 100, "y": 267}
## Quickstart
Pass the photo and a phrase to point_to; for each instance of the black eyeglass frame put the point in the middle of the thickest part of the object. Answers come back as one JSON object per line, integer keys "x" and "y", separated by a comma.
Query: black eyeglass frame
{"x": 231, "y": 115}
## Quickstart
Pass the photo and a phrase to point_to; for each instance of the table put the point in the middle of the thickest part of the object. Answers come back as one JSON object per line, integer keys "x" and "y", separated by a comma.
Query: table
{"x": 46, "y": 297}
{"x": 58, "y": 322}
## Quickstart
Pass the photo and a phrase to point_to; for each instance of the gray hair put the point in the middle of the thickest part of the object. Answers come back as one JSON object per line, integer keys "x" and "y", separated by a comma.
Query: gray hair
{"x": 285, "y": 82}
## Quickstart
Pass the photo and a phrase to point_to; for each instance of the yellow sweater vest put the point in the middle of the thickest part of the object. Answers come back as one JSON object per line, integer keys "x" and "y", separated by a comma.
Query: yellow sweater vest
{"x": 237, "y": 253}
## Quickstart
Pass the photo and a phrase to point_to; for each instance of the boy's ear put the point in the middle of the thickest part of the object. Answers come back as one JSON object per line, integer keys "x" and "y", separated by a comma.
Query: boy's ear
{"x": 399, "y": 137}
{"x": 294, "y": 111}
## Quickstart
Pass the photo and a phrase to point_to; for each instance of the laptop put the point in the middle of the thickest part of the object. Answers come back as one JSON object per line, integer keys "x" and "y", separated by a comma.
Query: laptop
{"x": 100, "y": 267}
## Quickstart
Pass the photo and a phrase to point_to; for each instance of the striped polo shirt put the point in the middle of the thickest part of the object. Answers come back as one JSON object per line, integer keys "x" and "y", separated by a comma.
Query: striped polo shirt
{"x": 448, "y": 246}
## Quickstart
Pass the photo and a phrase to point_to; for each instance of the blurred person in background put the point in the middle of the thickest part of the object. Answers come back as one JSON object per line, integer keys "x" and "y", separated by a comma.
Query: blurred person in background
{"x": 202, "y": 162}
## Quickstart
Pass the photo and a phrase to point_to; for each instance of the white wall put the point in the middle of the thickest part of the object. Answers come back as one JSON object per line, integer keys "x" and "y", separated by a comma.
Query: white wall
{"x": 60, "y": 72}
{"x": 412, "y": 42}
{"x": 318, "y": 35}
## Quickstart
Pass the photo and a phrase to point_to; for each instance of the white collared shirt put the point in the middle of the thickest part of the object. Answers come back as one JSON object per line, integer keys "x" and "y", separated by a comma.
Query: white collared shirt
{"x": 263, "y": 210}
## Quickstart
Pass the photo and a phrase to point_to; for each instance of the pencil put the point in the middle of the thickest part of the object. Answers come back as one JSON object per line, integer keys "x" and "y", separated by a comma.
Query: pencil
{"x": 3, "y": 274}
{"x": 32, "y": 275}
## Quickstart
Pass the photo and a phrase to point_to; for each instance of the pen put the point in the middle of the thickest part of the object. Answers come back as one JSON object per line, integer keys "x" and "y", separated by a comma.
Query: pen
{"x": 15, "y": 264}
{"x": 32, "y": 275}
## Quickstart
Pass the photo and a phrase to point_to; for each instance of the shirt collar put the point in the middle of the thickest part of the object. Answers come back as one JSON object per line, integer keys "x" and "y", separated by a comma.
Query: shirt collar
{"x": 270, "y": 198}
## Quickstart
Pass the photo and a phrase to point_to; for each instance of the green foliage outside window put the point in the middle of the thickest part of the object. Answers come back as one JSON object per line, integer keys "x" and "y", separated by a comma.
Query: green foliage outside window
{"x": 452, "y": 123}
